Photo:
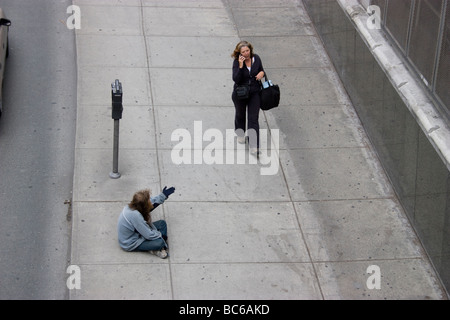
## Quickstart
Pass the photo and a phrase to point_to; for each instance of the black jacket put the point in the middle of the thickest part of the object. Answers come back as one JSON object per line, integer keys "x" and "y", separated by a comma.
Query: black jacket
{"x": 242, "y": 76}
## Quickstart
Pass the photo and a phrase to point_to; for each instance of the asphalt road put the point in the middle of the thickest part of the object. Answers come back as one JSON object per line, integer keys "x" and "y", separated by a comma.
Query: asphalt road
{"x": 37, "y": 137}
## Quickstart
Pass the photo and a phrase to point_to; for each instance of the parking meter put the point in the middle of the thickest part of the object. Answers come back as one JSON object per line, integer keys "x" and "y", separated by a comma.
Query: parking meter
{"x": 117, "y": 108}
{"x": 116, "y": 94}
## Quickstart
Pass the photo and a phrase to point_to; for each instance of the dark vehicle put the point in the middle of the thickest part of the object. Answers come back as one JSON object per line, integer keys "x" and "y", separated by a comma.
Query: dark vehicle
{"x": 4, "y": 28}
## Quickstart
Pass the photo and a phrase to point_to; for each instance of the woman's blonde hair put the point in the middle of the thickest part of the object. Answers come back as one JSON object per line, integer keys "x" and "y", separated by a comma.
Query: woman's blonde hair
{"x": 239, "y": 46}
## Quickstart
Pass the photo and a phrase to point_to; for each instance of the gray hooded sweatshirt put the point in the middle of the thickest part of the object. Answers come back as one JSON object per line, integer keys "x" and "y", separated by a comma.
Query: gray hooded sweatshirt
{"x": 133, "y": 229}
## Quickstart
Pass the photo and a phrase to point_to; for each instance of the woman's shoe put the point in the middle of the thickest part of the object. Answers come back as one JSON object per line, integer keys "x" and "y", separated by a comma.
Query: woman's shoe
{"x": 241, "y": 140}
{"x": 255, "y": 152}
{"x": 161, "y": 253}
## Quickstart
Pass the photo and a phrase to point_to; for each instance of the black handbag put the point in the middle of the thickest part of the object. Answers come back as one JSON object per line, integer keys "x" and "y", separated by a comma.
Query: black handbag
{"x": 242, "y": 92}
{"x": 270, "y": 94}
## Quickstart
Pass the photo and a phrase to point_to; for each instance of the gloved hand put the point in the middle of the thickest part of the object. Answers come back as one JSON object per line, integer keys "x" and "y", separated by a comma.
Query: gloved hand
{"x": 168, "y": 192}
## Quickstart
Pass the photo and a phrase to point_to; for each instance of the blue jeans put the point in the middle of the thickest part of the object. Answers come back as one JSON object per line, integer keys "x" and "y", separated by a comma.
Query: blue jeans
{"x": 157, "y": 244}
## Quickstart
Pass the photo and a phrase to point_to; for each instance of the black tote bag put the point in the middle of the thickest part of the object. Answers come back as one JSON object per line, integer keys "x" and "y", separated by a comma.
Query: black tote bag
{"x": 270, "y": 94}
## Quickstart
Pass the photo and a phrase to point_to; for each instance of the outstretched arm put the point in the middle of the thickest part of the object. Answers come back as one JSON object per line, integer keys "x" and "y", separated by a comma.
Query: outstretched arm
{"x": 163, "y": 196}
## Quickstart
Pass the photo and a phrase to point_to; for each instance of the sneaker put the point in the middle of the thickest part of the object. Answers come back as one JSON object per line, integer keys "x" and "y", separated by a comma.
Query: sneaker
{"x": 241, "y": 140}
{"x": 161, "y": 253}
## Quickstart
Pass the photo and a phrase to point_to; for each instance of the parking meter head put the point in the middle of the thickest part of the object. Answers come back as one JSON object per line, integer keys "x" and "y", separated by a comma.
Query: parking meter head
{"x": 116, "y": 97}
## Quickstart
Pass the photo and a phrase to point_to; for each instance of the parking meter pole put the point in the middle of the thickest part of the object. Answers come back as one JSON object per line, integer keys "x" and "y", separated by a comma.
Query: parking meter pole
{"x": 117, "y": 109}
{"x": 115, "y": 173}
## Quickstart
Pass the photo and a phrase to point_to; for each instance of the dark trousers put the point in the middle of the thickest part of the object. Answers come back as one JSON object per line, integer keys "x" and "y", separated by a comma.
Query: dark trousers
{"x": 251, "y": 106}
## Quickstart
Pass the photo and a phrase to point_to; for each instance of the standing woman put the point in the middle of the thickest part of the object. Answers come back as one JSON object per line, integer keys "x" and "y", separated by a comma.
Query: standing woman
{"x": 247, "y": 70}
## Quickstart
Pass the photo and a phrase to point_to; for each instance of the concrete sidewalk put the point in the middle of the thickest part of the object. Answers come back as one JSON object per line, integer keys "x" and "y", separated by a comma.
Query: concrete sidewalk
{"x": 309, "y": 231}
